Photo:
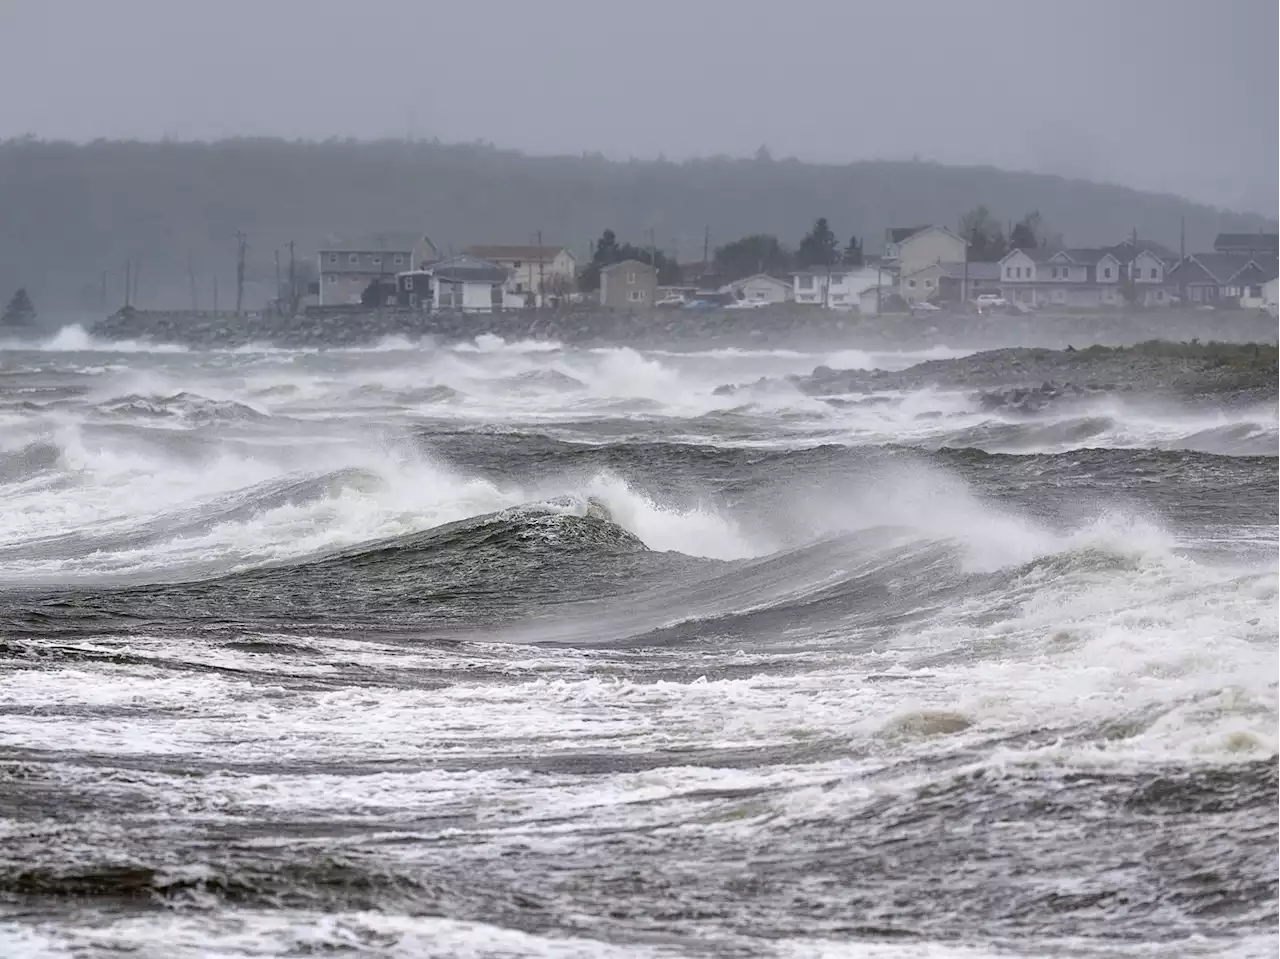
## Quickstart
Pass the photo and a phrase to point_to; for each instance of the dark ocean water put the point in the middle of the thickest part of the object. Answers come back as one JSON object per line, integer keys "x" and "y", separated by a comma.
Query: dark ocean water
{"x": 511, "y": 650}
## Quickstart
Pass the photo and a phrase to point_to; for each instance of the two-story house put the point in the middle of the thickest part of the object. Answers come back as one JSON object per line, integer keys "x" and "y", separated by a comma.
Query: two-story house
{"x": 837, "y": 287}
{"x": 908, "y": 249}
{"x": 548, "y": 269}
{"x": 1076, "y": 279}
{"x": 347, "y": 268}
{"x": 631, "y": 284}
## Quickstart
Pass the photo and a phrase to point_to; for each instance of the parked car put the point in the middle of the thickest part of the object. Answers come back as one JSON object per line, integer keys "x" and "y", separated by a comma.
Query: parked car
{"x": 986, "y": 300}
{"x": 671, "y": 299}
{"x": 746, "y": 305}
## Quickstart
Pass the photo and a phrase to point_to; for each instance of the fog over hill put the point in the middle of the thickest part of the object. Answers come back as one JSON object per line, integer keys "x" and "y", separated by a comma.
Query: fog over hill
{"x": 73, "y": 213}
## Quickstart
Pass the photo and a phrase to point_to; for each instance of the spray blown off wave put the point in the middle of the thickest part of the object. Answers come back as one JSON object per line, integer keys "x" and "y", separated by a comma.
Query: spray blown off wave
{"x": 518, "y": 649}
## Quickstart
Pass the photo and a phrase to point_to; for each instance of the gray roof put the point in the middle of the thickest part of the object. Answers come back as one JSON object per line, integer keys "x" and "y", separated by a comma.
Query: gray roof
{"x": 1221, "y": 267}
{"x": 467, "y": 269}
{"x": 977, "y": 271}
{"x": 387, "y": 242}
{"x": 1247, "y": 242}
{"x": 1124, "y": 252}
{"x": 632, "y": 264}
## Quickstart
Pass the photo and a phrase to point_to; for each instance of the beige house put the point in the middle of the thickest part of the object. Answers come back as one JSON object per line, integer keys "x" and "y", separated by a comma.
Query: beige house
{"x": 347, "y": 267}
{"x": 760, "y": 288}
{"x": 908, "y": 249}
{"x": 628, "y": 285}
{"x": 547, "y": 269}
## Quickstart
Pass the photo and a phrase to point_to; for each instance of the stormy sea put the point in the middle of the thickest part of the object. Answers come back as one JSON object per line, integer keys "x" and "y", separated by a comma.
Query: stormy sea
{"x": 520, "y": 649}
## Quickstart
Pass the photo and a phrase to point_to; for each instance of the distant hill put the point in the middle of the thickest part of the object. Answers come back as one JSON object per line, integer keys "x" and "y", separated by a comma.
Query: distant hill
{"x": 69, "y": 212}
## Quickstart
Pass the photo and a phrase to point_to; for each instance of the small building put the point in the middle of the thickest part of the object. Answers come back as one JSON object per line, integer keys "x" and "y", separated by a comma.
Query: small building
{"x": 347, "y": 267}
{"x": 548, "y": 270}
{"x": 908, "y": 249}
{"x": 413, "y": 290}
{"x": 465, "y": 284}
{"x": 630, "y": 284}
{"x": 1270, "y": 292}
{"x": 760, "y": 288}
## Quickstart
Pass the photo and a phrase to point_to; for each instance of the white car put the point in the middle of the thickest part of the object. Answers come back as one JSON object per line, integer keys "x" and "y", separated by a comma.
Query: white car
{"x": 990, "y": 299}
{"x": 746, "y": 305}
{"x": 671, "y": 299}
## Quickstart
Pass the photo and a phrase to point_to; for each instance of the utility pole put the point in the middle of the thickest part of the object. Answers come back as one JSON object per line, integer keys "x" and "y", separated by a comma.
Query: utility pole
{"x": 191, "y": 279}
{"x": 215, "y": 293}
{"x": 1182, "y": 256}
{"x": 102, "y": 297}
{"x": 242, "y": 245}
{"x": 279, "y": 298}
{"x": 136, "y": 270}
{"x": 128, "y": 280}
{"x": 653, "y": 256}
{"x": 293, "y": 283}
{"x": 706, "y": 249}
{"x": 542, "y": 282}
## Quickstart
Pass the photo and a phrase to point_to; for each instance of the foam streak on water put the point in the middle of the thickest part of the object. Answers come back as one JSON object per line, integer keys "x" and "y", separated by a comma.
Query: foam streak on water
{"x": 517, "y": 649}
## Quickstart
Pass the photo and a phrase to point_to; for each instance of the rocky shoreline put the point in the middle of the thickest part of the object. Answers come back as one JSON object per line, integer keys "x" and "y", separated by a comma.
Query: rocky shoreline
{"x": 1021, "y": 380}
{"x": 782, "y": 327}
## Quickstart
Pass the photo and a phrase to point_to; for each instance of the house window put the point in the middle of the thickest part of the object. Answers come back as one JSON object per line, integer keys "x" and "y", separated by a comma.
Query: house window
{"x": 413, "y": 300}
{"x": 631, "y": 277}
{"x": 806, "y": 282}
{"x": 354, "y": 258}
{"x": 1159, "y": 296}
{"x": 1107, "y": 272}
{"x": 635, "y": 296}
{"x": 408, "y": 283}
{"x": 399, "y": 259}
{"x": 1008, "y": 273}
{"x": 331, "y": 277}
{"x": 515, "y": 264}
{"x": 1154, "y": 273}
{"x": 928, "y": 284}
{"x": 911, "y": 283}
{"x": 333, "y": 258}
{"x": 376, "y": 260}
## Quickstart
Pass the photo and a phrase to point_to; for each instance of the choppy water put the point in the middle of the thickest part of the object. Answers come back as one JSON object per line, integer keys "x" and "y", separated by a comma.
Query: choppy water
{"x": 513, "y": 650}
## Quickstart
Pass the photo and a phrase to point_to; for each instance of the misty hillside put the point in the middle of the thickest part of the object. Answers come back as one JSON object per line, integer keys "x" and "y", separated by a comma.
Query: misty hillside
{"x": 70, "y": 213}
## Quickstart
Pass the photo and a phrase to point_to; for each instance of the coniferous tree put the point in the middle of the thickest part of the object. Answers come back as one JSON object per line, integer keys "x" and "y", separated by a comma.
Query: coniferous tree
{"x": 20, "y": 314}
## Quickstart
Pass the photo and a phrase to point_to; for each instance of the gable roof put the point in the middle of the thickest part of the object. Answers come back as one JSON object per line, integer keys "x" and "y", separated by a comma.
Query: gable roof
{"x": 1036, "y": 254}
{"x": 1217, "y": 268}
{"x": 467, "y": 269}
{"x": 1246, "y": 243}
{"x": 535, "y": 254}
{"x": 1125, "y": 251}
{"x": 632, "y": 264}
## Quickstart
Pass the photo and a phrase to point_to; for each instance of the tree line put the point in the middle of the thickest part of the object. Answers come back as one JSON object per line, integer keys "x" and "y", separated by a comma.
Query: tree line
{"x": 75, "y": 215}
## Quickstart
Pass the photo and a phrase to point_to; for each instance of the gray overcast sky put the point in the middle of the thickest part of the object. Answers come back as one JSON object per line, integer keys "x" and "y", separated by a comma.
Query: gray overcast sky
{"x": 1172, "y": 95}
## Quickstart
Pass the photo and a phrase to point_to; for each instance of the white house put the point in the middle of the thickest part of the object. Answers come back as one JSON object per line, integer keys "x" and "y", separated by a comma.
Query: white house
{"x": 760, "y": 288}
{"x": 464, "y": 283}
{"x": 547, "y": 269}
{"x": 912, "y": 248}
{"x": 837, "y": 288}
{"x": 1080, "y": 278}
{"x": 1270, "y": 291}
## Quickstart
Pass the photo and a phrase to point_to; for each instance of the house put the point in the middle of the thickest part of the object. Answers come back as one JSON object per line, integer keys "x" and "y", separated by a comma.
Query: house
{"x": 630, "y": 284}
{"x": 1221, "y": 278}
{"x": 413, "y": 290}
{"x": 1076, "y": 278}
{"x": 1251, "y": 244}
{"x": 347, "y": 268}
{"x": 908, "y": 249}
{"x": 546, "y": 269}
{"x": 950, "y": 282}
{"x": 1270, "y": 291}
{"x": 759, "y": 288}
{"x": 464, "y": 283}
{"x": 837, "y": 287}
